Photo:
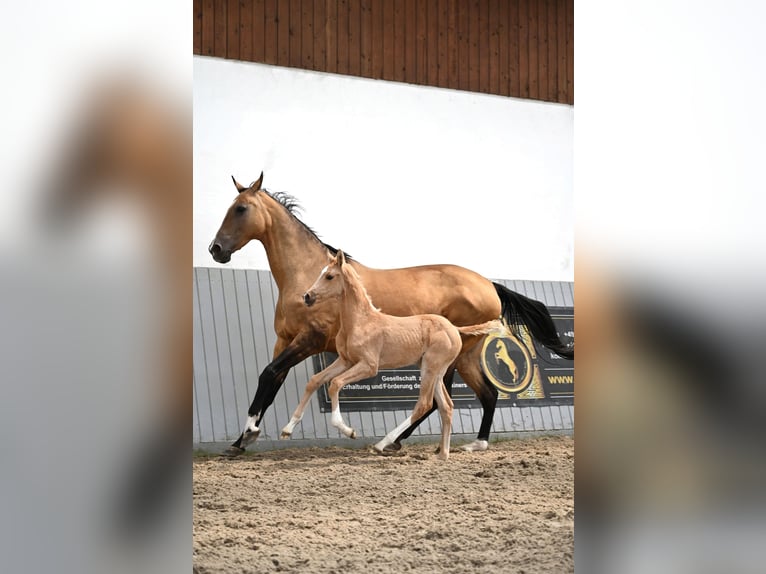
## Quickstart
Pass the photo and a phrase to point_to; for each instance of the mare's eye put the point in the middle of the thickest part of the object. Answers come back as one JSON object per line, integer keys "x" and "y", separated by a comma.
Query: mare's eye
{"x": 329, "y": 277}
{"x": 241, "y": 208}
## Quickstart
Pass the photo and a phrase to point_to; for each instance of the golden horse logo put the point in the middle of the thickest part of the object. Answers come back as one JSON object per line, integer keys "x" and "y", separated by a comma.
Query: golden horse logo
{"x": 502, "y": 355}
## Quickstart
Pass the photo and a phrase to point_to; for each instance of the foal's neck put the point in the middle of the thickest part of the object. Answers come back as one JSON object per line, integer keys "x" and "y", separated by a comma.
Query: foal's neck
{"x": 356, "y": 305}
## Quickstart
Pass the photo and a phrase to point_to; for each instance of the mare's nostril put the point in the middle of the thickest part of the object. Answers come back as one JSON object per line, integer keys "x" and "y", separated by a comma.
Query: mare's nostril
{"x": 215, "y": 248}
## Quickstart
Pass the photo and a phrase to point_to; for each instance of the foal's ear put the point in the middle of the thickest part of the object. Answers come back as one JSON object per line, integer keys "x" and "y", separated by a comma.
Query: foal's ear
{"x": 239, "y": 186}
{"x": 256, "y": 185}
{"x": 340, "y": 258}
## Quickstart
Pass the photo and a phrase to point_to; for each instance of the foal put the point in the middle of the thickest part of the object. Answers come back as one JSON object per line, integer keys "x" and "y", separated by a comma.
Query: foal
{"x": 369, "y": 340}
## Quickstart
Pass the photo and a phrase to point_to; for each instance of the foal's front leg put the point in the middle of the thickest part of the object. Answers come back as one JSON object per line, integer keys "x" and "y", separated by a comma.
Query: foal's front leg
{"x": 322, "y": 377}
{"x": 356, "y": 373}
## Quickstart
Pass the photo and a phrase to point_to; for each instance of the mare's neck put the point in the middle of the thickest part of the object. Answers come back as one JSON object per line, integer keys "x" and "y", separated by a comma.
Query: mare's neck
{"x": 295, "y": 255}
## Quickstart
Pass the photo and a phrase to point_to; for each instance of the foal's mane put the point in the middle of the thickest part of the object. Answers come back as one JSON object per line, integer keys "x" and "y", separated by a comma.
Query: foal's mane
{"x": 354, "y": 282}
{"x": 293, "y": 207}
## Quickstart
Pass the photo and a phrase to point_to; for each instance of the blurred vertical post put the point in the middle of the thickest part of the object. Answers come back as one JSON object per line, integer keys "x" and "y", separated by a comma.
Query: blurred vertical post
{"x": 670, "y": 277}
{"x": 95, "y": 291}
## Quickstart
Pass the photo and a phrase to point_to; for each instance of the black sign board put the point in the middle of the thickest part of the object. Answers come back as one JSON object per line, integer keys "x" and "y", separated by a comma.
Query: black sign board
{"x": 524, "y": 372}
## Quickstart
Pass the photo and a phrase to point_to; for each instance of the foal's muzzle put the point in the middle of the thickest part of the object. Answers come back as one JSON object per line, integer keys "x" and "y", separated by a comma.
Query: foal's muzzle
{"x": 309, "y": 298}
{"x": 219, "y": 253}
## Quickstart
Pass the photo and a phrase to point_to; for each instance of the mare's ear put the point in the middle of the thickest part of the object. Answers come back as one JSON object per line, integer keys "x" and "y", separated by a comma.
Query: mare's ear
{"x": 239, "y": 186}
{"x": 340, "y": 258}
{"x": 256, "y": 185}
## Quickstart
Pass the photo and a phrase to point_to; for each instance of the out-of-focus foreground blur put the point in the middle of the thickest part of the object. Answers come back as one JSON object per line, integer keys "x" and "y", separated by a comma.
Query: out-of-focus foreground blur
{"x": 95, "y": 298}
{"x": 95, "y": 290}
{"x": 670, "y": 279}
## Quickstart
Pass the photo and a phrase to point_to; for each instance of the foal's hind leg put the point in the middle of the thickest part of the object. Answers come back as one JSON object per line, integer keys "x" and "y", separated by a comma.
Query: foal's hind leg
{"x": 397, "y": 444}
{"x": 445, "y": 412}
{"x": 431, "y": 379}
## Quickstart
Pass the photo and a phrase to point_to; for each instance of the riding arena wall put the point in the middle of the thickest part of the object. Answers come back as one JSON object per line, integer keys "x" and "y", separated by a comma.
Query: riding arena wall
{"x": 233, "y": 342}
{"x": 398, "y": 171}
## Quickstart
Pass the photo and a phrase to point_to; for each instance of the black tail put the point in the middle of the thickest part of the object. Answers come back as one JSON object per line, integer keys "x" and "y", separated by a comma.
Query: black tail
{"x": 520, "y": 309}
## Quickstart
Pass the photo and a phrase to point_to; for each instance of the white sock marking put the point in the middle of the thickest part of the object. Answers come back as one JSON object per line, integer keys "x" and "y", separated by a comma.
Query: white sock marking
{"x": 391, "y": 437}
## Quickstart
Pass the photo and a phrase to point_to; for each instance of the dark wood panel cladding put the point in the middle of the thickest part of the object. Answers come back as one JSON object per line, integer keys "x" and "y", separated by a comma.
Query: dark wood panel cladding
{"x": 519, "y": 48}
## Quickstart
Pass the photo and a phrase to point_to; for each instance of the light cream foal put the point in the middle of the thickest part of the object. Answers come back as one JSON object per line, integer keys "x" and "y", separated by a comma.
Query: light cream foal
{"x": 369, "y": 340}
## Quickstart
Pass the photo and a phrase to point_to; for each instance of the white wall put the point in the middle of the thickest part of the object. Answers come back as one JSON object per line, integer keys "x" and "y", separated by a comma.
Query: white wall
{"x": 395, "y": 174}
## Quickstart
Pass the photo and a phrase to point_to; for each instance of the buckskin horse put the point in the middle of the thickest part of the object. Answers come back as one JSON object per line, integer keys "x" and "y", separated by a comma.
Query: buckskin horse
{"x": 296, "y": 256}
{"x": 369, "y": 340}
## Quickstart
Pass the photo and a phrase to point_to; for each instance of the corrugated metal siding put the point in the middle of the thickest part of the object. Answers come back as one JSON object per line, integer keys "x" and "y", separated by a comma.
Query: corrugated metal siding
{"x": 233, "y": 341}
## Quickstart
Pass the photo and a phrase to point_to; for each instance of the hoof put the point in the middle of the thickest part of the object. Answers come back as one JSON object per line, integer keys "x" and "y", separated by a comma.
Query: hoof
{"x": 285, "y": 435}
{"x": 475, "y": 446}
{"x": 385, "y": 451}
{"x": 233, "y": 451}
{"x": 249, "y": 437}
{"x": 353, "y": 434}
{"x": 393, "y": 447}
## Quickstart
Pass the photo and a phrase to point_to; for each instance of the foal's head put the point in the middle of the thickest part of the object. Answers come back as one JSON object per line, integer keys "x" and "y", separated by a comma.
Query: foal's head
{"x": 331, "y": 281}
{"x": 245, "y": 220}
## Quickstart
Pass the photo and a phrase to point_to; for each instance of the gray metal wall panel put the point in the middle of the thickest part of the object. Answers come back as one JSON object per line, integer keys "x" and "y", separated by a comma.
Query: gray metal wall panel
{"x": 234, "y": 340}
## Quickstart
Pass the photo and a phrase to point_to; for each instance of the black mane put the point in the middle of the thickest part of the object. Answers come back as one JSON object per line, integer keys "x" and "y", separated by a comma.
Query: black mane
{"x": 293, "y": 207}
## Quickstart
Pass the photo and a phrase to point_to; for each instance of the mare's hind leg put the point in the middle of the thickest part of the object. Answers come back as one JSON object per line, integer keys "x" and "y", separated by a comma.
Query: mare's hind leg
{"x": 468, "y": 366}
{"x": 397, "y": 443}
{"x": 319, "y": 379}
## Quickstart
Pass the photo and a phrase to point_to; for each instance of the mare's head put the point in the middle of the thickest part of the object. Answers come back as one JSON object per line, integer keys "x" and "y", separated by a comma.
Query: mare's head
{"x": 245, "y": 220}
{"x": 330, "y": 283}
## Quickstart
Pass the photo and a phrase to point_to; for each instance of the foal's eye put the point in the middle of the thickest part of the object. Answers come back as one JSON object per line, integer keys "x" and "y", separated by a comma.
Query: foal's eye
{"x": 241, "y": 208}
{"x": 329, "y": 277}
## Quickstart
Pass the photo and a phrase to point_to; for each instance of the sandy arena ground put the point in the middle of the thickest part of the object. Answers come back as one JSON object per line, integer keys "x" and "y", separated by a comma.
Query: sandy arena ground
{"x": 509, "y": 509}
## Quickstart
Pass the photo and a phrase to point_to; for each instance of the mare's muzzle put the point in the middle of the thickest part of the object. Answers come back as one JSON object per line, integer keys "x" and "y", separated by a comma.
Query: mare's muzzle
{"x": 220, "y": 254}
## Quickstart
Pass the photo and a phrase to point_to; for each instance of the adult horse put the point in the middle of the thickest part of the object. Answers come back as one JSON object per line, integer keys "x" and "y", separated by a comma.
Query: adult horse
{"x": 296, "y": 256}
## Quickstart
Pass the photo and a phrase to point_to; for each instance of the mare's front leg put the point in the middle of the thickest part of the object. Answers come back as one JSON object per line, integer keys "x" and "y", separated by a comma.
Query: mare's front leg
{"x": 336, "y": 368}
{"x": 357, "y": 372}
{"x": 287, "y": 354}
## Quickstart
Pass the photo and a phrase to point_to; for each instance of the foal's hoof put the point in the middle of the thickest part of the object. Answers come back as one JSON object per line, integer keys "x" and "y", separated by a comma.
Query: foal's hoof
{"x": 353, "y": 434}
{"x": 393, "y": 447}
{"x": 233, "y": 451}
{"x": 285, "y": 435}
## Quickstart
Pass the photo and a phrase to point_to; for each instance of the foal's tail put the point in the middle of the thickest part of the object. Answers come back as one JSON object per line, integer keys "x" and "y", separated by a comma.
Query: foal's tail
{"x": 482, "y": 328}
{"x": 516, "y": 308}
